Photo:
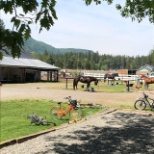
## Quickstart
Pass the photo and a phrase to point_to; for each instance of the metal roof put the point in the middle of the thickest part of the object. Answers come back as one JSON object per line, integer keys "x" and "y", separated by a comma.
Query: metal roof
{"x": 146, "y": 68}
{"x": 26, "y": 61}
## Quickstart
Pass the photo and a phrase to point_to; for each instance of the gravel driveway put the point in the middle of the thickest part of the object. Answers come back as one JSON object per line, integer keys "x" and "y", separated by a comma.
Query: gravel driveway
{"x": 118, "y": 132}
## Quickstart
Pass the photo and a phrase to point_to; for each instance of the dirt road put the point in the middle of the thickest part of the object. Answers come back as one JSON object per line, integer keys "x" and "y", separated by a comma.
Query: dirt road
{"x": 48, "y": 91}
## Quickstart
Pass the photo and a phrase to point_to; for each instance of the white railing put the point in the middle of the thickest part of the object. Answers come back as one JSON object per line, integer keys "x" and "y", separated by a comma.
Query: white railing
{"x": 124, "y": 77}
{"x": 96, "y": 75}
{"x": 120, "y": 77}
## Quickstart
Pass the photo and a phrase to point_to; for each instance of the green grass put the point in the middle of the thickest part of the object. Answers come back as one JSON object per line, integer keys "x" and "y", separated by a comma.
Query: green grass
{"x": 14, "y": 122}
{"x": 118, "y": 87}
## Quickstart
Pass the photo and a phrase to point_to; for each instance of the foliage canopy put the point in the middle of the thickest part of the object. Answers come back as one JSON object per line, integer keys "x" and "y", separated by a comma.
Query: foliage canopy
{"x": 135, "y": 9}
{"x": 45, "y": 15}
{"x": 95, "y": 61}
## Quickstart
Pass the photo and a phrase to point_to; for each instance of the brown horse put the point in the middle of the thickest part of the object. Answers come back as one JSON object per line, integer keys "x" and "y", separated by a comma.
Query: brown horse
{"x": 110, "y": 76}
{"x": 147, "y": 80}
{"x": 84, "y": 79}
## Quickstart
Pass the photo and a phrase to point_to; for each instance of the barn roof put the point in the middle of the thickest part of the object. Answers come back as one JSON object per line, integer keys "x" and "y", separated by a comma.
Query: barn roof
{"x": 26, "y": 61}
{"x": 146, "y": 68}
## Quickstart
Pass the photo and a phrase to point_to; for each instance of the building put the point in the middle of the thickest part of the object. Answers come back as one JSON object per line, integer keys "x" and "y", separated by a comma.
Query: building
{"x": 25, "y": 69}
{"x": 146, "y": 69}
{"x": 127, "y": 71}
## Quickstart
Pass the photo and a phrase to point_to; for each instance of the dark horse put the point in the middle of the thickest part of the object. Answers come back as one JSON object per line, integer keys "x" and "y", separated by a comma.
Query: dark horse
{"x": 110, "y": 76}
{"x": 84, "y": 79}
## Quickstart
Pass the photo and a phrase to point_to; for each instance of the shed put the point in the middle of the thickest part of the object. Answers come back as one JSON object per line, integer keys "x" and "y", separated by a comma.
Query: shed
{"x": 25, "y": 69}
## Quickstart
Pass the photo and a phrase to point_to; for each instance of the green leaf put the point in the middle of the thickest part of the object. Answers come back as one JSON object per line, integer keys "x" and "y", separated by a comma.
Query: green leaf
{"x": 22, "y": 28}
{"x": 118, "y": 6}
{"x": 1, "y": 55}
{"x": 27, "y": 34}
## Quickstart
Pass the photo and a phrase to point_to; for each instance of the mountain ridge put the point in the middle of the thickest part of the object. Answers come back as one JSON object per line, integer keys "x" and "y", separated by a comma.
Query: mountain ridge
{"x": 33, "y": 45}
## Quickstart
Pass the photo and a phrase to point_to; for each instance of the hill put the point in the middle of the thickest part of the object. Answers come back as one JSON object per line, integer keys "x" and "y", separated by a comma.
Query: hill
{"x": 32, "y": 45}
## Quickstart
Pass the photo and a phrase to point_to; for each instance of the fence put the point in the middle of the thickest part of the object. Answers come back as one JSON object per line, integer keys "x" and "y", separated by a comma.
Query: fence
{"x": 123, "y": 77}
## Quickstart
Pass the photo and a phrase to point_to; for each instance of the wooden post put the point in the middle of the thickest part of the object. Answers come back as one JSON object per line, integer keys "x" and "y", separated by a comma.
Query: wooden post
{"x": 128, "y": 85}
{"x": 108, "y": 81}
{"x": 66, "y": 83}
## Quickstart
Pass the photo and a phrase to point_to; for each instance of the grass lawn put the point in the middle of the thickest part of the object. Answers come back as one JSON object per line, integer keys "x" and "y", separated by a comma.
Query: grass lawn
{"x": 117, "y": 87}
{"x": 14, "y": 122}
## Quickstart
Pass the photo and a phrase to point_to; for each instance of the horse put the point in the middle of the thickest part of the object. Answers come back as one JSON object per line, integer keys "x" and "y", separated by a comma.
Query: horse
{"x": 110, "y": 76}
{"x": 147, "y": 80}
{"x": 84, "y": 79}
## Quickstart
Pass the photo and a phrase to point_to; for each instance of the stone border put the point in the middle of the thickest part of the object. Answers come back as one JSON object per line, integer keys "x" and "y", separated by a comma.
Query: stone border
{"x": 25, "y": 138}
{"x": 108, "y": 111}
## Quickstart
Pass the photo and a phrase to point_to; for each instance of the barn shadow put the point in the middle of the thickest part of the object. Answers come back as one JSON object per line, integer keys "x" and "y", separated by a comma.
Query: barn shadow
{"x": 134, "y": 134}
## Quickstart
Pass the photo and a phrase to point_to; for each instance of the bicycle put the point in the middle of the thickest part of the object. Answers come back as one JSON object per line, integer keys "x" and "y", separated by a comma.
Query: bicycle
{"x": 142, "y": 102}
{"x": 73, "y": 110}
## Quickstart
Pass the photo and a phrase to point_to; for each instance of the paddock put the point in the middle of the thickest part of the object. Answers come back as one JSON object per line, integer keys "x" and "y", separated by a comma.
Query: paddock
{"x": 131, "y": 80}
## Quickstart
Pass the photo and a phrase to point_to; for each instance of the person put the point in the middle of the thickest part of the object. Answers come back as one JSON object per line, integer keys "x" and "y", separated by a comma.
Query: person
{"x": 138, "y": 80}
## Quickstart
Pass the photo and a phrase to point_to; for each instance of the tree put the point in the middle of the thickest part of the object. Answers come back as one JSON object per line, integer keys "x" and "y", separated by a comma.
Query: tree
{"x": 135, "y": 9}
{"x": 138, "y": 9}
{"x": 45, "y": 15}
{"x": 151, "y": 57}
{"x": 14, "y": 40}
{"x": 2, "y": 28}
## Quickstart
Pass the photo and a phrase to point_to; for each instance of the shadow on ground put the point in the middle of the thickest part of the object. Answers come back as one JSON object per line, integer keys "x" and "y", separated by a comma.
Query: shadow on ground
{"x": 125, "y": 133}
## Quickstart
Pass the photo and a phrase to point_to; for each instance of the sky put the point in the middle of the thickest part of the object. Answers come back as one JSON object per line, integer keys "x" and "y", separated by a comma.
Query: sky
{"x": 96, "y": 27}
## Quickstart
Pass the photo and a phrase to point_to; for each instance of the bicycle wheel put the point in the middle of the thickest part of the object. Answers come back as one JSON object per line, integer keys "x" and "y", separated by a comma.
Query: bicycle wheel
{"x": 53, "y": 112}
{"x": 140, "y": 105}
{"x": 75, "y": 115}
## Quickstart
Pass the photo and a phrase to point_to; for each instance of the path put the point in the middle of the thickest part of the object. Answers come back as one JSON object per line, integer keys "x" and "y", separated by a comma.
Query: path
{"x": 114, "y": 133}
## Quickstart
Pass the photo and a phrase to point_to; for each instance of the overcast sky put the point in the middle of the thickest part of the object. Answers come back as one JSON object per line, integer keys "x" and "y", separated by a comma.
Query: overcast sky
{"x": 96, "y": 27}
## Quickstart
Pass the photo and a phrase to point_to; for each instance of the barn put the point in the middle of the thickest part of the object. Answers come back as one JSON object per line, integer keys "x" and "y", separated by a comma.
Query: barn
{"x": 26, "y": 69}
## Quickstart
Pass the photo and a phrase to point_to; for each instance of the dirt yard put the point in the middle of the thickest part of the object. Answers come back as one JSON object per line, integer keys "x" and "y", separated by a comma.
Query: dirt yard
{"x": 58, "y": 92}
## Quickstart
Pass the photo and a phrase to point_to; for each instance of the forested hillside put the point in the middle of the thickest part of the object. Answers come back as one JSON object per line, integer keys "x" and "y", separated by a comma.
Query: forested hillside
{"x": 95, "y": 61}
{"x": 32, "y": 45}
{"x": 85, "y": 59}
